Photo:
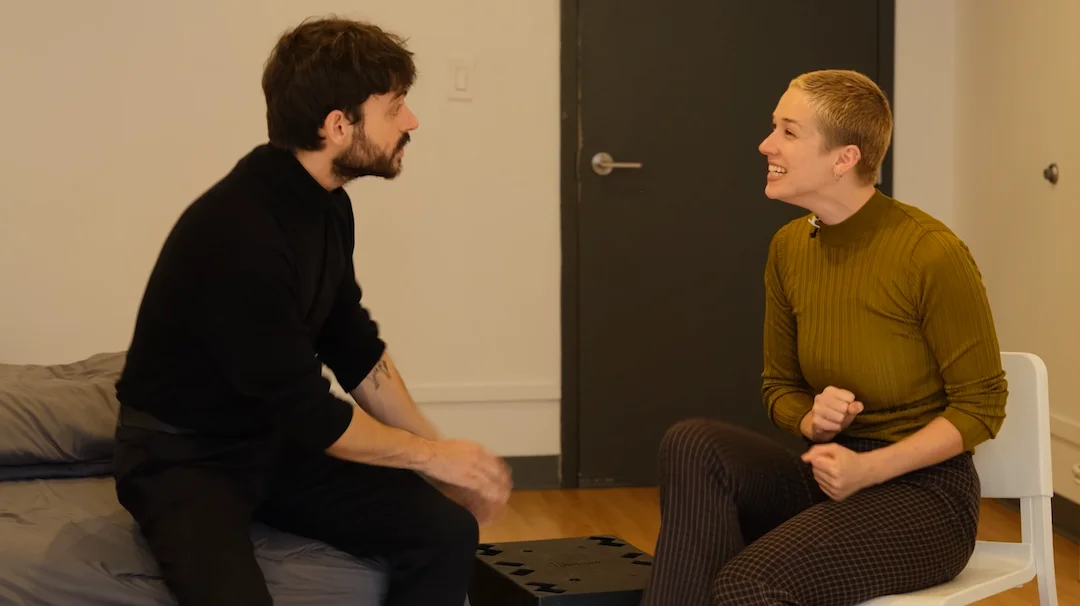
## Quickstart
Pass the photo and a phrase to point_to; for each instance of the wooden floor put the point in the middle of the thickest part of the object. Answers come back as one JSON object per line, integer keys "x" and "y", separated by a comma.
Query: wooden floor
{"x": 634, "y": 515}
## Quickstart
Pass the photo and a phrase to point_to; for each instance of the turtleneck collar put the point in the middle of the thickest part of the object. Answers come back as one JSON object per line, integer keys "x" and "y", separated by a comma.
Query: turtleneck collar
{"x": 859, "y": 225}
{"x": 282, "y": 167}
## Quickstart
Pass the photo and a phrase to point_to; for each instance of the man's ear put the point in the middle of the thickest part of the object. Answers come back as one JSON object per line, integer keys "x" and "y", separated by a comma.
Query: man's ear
{"x": 336, "y": 127}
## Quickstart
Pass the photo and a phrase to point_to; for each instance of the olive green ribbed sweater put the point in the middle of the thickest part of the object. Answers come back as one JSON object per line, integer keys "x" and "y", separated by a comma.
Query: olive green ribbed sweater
{"x": 889, "y": 305}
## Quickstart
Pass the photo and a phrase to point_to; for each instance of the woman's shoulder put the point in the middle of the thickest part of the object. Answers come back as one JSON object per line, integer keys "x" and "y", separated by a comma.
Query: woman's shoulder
{"x": 918, "y": 220}
{"x": 799, "y": 227}
{"x": 934, "y": 244}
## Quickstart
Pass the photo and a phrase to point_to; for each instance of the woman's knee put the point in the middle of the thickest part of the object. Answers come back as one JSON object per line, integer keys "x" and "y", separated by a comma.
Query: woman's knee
{"x": 683, "y": 437}
{"x": 692, "y": 443}
{"x": 741, "y": 582}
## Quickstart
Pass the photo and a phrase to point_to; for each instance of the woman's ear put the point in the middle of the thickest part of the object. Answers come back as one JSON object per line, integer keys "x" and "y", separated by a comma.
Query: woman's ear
{"x": 846, "y": 160}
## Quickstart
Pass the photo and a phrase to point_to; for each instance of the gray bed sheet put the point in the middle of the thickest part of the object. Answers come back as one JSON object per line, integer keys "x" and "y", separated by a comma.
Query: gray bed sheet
{"x": 68, "y": 541}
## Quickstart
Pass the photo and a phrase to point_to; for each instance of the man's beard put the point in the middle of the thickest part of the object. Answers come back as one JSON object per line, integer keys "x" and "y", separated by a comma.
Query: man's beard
{"x": 364, "y": 159}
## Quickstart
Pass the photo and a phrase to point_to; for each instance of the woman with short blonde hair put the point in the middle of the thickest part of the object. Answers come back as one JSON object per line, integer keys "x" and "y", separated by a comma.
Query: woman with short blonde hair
{"x": 880, "y": 352}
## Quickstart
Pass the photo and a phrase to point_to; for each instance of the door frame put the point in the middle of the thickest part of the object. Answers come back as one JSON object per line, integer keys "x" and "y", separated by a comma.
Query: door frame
{"x": 569, "y": 194}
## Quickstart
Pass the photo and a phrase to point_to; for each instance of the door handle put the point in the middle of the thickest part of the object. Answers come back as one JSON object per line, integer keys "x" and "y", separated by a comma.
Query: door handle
{"x": 1051, "y": 173}
{"x": 603, "y": 164}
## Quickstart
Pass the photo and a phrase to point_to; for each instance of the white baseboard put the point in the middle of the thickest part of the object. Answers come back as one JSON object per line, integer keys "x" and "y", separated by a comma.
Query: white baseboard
{"x": 1064, "y": 454}
{"x": 509, "y": 429}
{"x": 511, "y": 419}
{"x": 450, "y": 393}
{"x": 1065, "y": 429}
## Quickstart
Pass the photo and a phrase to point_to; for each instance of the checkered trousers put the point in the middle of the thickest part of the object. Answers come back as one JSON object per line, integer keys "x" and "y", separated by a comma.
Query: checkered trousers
{"x": 744, "y": 522}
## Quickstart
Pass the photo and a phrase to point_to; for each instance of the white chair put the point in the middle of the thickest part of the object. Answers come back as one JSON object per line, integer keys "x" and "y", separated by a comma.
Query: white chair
{"x": 1016, "y": 464}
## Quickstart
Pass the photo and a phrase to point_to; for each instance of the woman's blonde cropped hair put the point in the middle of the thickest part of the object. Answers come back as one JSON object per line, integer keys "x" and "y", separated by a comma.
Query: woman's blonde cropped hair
{"x": 850, "y": 110}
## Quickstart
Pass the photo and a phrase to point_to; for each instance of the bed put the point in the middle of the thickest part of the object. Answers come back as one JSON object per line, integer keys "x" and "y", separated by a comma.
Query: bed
{"x": 65, "y": 539}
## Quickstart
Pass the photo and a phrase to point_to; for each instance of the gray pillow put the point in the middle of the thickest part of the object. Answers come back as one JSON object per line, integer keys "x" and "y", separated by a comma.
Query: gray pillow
{"x": 58, "y": 417}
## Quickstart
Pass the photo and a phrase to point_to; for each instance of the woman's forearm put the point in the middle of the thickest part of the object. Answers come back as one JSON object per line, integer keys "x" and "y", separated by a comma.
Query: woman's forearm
{"x": 937, "y": 442}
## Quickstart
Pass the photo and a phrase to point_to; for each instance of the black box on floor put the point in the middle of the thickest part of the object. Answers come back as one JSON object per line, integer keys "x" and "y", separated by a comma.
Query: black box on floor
{"x": 584, "y": 571}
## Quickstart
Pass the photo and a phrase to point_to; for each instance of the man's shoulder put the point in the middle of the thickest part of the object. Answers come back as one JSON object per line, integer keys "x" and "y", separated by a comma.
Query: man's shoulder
{"x": 233, "y": 205}
{"x": 227, "y": 225}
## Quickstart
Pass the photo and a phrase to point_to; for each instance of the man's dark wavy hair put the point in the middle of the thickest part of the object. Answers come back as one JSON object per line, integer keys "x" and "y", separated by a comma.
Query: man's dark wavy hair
{"x": 329, "y": 64}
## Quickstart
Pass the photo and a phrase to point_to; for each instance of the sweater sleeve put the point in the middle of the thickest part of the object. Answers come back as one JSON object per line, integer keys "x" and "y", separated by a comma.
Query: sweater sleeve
{"x": 786, "y": 394}
{"x": 349, "y": 342}
{"x": 248, "y": 322}
{"x": 959, "y": 328}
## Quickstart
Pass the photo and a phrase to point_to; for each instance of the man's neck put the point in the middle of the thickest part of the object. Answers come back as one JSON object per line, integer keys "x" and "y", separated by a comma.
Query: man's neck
{"x": 320, "y": 168}
{"x": 836, "y": 206}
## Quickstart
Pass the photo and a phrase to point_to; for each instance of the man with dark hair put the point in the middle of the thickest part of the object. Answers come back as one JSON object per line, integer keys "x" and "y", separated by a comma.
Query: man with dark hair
{"x": 226, "y": 416}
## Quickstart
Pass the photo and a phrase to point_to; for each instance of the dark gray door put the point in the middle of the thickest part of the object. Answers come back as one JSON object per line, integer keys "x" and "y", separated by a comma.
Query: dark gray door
{"x": 665, "y": 304}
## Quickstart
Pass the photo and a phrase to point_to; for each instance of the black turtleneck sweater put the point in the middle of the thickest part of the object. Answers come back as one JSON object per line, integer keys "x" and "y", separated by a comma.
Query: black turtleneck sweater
{"x": 254, "y": 289}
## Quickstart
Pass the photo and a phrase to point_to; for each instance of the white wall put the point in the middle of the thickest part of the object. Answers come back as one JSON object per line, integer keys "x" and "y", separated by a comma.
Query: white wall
{"x": 986, "y": 96}
{"x": 110, "y": 130}
{"x": 1018, "y": 89}
{"x": 924, "y": 106}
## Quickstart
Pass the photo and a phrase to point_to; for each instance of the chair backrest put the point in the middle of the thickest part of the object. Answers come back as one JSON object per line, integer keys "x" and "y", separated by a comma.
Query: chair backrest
{"x": 1017, "y": 462}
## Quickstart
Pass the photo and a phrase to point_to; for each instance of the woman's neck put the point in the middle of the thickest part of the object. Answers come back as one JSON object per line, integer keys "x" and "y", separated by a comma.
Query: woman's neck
{"x": 835, "y": 206}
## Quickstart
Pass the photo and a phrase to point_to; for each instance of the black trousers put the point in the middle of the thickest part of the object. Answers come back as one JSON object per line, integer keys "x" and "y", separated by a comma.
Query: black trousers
{"x": 744, "y": 522}
{"x": 195, "y": 498}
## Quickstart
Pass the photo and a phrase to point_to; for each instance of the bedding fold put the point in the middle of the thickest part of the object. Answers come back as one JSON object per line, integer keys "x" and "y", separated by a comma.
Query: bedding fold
{"x": 58, "y": 420}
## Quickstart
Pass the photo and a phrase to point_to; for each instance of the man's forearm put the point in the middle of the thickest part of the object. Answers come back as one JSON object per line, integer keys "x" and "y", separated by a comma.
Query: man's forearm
{"x": 366, "y": 440}
{"x": 384, "y": 396}
{"x": 937, "y": 442}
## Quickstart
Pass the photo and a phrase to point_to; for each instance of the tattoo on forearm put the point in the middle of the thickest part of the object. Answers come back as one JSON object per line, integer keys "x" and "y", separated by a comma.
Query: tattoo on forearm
{"x": 381, "y": 368}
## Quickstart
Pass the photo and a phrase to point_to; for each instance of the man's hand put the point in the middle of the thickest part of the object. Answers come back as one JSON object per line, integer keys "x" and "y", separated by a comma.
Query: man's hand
{"x": 839, "y": 471}
{"x": 483, "y": 510}
{"x": 834, "y": 409}
{"x": 471, "y": 467}
{"x": 464, "y": 471}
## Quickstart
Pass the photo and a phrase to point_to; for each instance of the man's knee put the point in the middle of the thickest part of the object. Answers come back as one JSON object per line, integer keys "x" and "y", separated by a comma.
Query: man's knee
{"x": 456, "y": 530}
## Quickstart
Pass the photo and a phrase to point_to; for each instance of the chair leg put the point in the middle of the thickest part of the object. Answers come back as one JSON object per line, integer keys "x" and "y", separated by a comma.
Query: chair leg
{"x": 1038, "y": 530}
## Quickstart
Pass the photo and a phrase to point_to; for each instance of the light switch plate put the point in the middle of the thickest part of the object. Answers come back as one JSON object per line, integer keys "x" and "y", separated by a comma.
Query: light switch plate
{"x": 461, "y": 77}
